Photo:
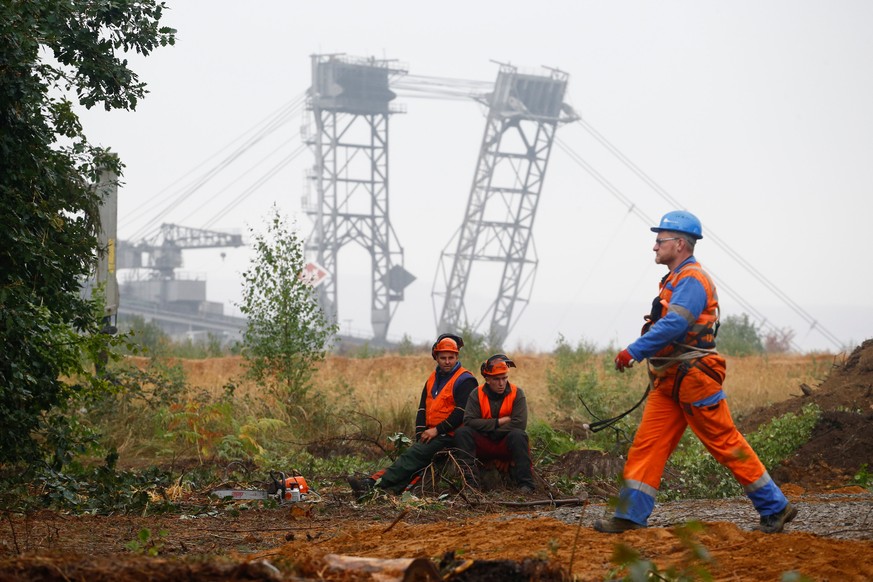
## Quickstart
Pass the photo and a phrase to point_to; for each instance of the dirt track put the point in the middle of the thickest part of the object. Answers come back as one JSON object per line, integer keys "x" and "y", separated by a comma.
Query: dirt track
{"x": 832, "y": 539}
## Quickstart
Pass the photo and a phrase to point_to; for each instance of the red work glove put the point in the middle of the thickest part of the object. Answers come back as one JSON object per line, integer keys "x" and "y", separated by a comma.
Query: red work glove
{"x": 623, "y": 360}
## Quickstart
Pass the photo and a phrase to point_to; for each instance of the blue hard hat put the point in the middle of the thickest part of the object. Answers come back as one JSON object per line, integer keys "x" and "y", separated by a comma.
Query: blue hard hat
{"x": 680, "y": 221}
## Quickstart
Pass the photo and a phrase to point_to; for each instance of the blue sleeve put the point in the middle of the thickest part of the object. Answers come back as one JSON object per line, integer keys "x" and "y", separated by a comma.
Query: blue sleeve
{"x": 690, "y": 296}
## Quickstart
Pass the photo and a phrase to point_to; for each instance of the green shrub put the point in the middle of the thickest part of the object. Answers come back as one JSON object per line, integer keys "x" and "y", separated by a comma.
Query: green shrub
{"x": 863, "y": 477}
{"x": 288, "y": 332}
{"x": 780, "y": 437}
{"x": 696, "y": 473}
{"x": 548, "y": 443}
{"x": 737, "y": 336}
{"x": 587, "y": 388}
{"x": 103, "y": 490}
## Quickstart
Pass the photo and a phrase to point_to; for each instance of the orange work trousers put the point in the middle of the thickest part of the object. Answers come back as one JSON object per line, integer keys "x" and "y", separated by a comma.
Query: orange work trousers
{"x": 695, "y": 401}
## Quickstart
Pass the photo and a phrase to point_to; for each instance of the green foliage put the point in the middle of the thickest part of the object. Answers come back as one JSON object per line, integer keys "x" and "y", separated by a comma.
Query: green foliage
{"x": 548, "y": 442}
{"x": 400, "y": 442}
{"x": 738, "y": 336}
{"x": 776, "y": 440}
{"x": 200, "y": 422}
{"x": 51, "y": 53}
{"x": 146, "y": 544}
{"x": 103, "y": 490}
{"x": 157, "y": 410}
{"x": 694, "y": 566}
{"x": 699, "y": 475}
{"x": 863, "y": 478}
{"x": 388, "y": 419}
{"x": 574, "y": 375}
{"x": 328, "y": 467}
{"x": 145, "y": 335}
{"x": 587, "y": 388}
{"x": 249, "y": 439}
{"x": 131, "y": 411}
{"x": 288, "y": 332}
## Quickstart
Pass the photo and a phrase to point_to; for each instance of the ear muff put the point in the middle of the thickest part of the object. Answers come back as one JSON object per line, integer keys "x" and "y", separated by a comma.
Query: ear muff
{"x": 447, "y": 342}
{"x": 496, "y": 365}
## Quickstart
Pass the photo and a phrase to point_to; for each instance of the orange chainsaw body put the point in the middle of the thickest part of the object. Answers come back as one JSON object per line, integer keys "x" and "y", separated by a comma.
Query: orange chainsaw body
{"x": 297, "y": 482}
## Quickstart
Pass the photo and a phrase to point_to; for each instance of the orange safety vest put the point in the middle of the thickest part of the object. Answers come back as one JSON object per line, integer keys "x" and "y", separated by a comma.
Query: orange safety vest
{"x": 438, "y": 409}
{"x": 701, "y": 334}
{"x": 505, "y": 406}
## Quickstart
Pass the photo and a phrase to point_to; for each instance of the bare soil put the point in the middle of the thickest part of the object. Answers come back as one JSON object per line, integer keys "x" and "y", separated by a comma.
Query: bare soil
{"x": 482, "y": 538}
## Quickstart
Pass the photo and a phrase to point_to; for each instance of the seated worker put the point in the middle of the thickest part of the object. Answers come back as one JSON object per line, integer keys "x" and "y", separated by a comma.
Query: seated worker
{"x": 494, "y": 427}
{"x": 440, "y": 412}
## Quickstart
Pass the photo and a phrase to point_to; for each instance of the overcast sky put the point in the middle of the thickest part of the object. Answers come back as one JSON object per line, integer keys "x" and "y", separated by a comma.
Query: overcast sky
{"x": 754, "y": 115}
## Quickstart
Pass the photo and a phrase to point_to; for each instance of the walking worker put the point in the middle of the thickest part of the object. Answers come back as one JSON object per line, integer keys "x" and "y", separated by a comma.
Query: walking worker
{"x": 495, "y": 422}
{"x": 687, "y": 373}
{"x": 440, "y": 412}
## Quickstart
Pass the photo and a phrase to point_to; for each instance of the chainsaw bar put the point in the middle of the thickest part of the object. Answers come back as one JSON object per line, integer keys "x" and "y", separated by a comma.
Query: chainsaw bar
{"x": 281, "y": 489}
{"x": 244, "y": 494}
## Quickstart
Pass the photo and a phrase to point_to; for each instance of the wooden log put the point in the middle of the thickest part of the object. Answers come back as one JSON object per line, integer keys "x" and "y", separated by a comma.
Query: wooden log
{"x": 384, "y": 569}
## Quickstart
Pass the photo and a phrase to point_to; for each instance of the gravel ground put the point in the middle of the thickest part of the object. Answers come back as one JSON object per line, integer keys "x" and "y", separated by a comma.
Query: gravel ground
{"x": 832, "y": 515}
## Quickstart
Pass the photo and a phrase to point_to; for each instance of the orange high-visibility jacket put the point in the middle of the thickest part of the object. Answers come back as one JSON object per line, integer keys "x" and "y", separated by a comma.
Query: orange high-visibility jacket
{"x": 701, "y": 333}
{"x": 438, "y": 409}
{"x": 505, "y": 407}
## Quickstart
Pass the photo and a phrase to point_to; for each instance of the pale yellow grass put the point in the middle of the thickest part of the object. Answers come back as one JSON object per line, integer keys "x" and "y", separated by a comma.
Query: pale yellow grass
{"x": 756, "y": 381}
{"x": 394, "y": 382}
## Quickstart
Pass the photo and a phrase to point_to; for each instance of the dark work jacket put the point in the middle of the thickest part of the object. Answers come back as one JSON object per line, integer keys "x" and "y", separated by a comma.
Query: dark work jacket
{"x": 489, "y": 426}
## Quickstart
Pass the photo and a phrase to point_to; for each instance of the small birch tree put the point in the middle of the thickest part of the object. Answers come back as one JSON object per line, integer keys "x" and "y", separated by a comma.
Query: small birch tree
{"x": 288, "y": 332}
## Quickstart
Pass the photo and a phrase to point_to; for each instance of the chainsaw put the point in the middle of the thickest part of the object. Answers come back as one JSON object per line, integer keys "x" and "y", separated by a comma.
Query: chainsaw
{"x": 281, "y": 488}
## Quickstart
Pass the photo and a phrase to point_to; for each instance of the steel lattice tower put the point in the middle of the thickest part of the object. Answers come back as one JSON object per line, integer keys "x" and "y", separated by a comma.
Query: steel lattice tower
{"x": 496, "y": 234}
{"x": 351, "y": 104}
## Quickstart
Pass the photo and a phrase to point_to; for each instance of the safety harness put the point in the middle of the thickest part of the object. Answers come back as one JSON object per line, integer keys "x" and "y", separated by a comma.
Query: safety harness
{"x": 687, "y": 356}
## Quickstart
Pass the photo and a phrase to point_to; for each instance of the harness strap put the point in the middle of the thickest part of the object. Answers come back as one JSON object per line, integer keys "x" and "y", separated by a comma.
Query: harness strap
{"x": 677, "y": 381}
{"x": 688, "y": 360}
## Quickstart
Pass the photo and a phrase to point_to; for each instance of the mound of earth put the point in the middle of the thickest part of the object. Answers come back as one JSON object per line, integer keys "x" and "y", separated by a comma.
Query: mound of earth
{"x": 841, "y": 444}
{"x": 848, "y": 387}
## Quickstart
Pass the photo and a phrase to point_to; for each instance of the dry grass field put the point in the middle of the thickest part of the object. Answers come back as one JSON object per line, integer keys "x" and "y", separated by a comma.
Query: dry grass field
{"x": 393, "y": 382}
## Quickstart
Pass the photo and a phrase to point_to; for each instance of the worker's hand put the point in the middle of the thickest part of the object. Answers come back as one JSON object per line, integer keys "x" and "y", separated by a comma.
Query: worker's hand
{"x": 428, "y": 435}
{"x": 623, "y": 360}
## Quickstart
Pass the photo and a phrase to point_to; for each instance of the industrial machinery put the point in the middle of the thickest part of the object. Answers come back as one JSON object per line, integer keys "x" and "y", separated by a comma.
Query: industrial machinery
{"x": 351, "y": 105}
{"x": 524, "y": 112}
{"x": 158, "y": 293}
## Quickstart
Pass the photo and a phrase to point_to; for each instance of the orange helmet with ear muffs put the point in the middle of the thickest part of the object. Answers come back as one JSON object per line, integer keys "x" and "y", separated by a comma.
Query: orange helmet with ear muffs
{"x": 447, "y": 343}
{"x": 496, "y": 365}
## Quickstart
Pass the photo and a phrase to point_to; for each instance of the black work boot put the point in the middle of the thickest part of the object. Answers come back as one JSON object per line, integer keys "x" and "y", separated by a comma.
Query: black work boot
{"x": 776, "y": 523}
{"x": 616, "y": 525}
{"x": 363, "y": 486}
